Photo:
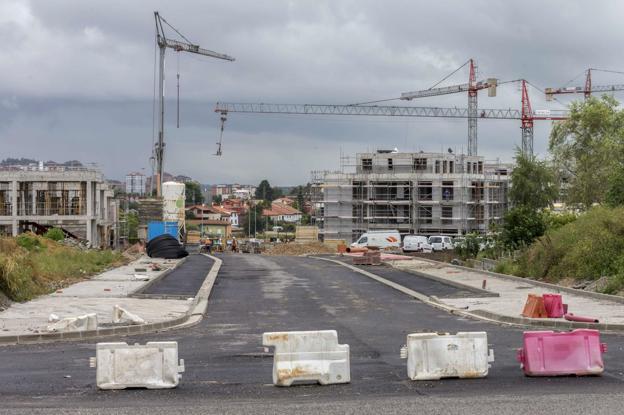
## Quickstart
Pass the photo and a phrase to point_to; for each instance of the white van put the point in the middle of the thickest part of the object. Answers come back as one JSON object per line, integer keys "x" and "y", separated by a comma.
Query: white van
{"x": 416, "y": 243}
{"x": 440, "y": 243}
{"x": 379, "y": 239}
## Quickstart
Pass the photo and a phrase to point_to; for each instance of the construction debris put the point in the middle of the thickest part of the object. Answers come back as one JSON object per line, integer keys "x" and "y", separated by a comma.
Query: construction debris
{"x": 121, "y": 315}
{"x": 298, "y": 249}
{"x": 80, "y": 323}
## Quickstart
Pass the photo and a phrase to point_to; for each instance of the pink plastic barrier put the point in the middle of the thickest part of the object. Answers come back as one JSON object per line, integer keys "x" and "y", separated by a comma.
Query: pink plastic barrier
{"x": 577, "y": 352}
{"x": 554, "y": 305}
{"x": 572, "y": 317}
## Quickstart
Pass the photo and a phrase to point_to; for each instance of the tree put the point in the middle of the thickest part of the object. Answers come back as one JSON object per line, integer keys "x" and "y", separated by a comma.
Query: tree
{"x": 194, "y": 195}
{"x": 615, "y": 188}
{"x": 300, "y": 199}
{"x": 522, "y": 225}
{"x": 217, "y": 199}
{"x": 264, "y": 191}
{"x": 533, "y": 183}
{"x": 588, "y": 147}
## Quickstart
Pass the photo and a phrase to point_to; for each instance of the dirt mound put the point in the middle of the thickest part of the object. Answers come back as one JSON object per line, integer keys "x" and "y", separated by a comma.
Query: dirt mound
{"x": 294, "y": 248}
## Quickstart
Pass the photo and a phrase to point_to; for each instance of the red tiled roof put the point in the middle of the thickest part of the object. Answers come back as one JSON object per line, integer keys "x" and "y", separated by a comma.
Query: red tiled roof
{"x": 279, "y": 209}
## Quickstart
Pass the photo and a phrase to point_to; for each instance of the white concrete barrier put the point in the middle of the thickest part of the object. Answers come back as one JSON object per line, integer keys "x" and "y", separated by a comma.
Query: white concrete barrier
{"x": 79, "y": 323}
{"x": 152, "y": 366}
{"x": 308, "y": 356}
{"x": 432, "y": 356}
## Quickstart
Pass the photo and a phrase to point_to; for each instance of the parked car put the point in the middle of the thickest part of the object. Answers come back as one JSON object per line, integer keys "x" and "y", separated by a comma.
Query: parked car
{"x": 416, "y": 243}
{"x": 379, "y": 239}
{"x": 440, "y": 243}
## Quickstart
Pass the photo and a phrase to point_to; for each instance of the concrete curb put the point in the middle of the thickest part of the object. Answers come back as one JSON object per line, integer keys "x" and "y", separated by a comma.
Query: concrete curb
{"x": 456, "y": 284}
{"x": 482, "y": 314}
{"x": 555, "y": 288}
{"x": 193, "y": 316}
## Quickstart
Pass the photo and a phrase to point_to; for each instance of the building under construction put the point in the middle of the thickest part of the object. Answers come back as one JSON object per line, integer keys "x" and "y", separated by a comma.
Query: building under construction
{"x": 415, "y": 193}
{"x": 75, "y": 199}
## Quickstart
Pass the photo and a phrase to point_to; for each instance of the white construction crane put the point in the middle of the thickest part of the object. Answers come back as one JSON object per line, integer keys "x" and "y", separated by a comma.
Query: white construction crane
{"x": 163, "y": 43}
{"x": 526, "y": 114}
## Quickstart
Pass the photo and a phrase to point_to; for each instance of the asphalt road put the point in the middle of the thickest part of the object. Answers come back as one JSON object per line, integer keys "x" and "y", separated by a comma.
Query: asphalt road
{"x": 227, "y": 370}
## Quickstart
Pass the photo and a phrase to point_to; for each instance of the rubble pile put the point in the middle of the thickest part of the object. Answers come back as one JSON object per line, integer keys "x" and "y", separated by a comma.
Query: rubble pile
{"x": 299, "y": 249}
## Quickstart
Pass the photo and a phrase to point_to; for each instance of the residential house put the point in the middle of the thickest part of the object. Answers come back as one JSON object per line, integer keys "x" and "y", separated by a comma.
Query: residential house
{"x": 281, "y": 212}
{"x": 232, "y": 215}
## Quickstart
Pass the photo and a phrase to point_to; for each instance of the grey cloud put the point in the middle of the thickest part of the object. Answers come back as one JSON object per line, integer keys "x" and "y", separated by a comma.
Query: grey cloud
{"x": 77, "y": 76}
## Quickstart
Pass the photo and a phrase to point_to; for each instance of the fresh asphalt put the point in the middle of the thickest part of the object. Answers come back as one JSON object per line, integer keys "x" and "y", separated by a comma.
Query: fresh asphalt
{"x": 228, "y": 371}
{"x": 185, "y": 280}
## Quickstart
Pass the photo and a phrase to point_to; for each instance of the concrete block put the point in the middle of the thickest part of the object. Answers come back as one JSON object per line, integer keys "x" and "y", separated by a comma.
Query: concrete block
{"x": 121, "y": 315}
{"x": 79, "y": 323}
{"x": 308, "y": 356}
{"x": 153, "y": 365}
{"x": 432, "y": 356}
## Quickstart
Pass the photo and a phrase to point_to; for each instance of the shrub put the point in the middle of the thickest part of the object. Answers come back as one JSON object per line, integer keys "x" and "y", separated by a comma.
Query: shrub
{"x": 587, "y": 248}
{"x": 29, "y": 241}
{"x": 468, "y": 247}
{"x": 55, "y": 234}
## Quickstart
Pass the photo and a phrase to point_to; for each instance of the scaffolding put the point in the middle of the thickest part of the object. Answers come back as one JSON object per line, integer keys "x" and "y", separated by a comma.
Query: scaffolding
{"x": 414, "y": 193}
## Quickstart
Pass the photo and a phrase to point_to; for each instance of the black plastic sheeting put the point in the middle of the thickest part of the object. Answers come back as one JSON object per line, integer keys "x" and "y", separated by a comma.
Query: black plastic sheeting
{"x": 165, "y": 246}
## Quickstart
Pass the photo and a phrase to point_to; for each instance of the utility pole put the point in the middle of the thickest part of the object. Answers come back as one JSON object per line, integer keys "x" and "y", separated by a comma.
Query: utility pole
{"x": 163, "y": 42}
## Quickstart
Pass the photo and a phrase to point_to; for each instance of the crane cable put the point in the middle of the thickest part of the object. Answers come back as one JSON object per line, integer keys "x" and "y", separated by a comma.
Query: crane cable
{"x": 178, "y": 88}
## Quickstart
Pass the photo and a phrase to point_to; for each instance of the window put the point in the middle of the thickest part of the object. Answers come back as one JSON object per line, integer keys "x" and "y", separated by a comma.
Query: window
{"x": 363, "y": 240}
{"x": 425, "y": 191}
{"x": 420, "y": 164}
{"x": 437, "y": 166}
{"x": 424, "y": 214}
{"x": 390, "y": 166}
{"x": 447, "y": 191}
{"x": 444, "y": 167}
{"x": 447, "y": 215}
{"x": 451, "y": 167}
{"x": 480, "y": 167}
{"x": 367, "y": 164}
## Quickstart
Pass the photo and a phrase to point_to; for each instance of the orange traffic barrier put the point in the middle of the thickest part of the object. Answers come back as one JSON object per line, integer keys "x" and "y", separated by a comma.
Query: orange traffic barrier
{"x": 534, "y": 307}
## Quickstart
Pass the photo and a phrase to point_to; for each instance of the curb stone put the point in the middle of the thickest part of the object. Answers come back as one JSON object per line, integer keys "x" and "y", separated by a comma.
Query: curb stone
{"x": 482, "y": 314}
{"x": 193, "y": 316}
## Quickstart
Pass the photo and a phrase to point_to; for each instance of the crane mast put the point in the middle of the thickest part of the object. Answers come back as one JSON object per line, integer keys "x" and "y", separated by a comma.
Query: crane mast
{"x": 163, "y": 43}
{"x": 472, "y": 88}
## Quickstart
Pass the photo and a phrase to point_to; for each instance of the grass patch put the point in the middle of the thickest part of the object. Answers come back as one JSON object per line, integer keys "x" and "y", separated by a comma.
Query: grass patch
{"x": 31, "y": 265}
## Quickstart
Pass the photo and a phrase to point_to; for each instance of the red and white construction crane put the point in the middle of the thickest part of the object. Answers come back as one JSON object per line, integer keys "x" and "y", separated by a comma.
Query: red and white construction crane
{"x": 179, "y": 46}
{"x": 472, "y": 87}
{"x": 587, "y": 89}
{"x": 529, "y": 116}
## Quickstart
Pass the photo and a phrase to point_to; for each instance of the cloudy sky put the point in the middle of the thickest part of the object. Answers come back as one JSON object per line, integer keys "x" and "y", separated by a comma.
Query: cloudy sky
{"x": 77, "y": 77}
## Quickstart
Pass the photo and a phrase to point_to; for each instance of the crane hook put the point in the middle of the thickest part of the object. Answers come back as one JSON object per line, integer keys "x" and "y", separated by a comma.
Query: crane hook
{"x": 223, "y": 120}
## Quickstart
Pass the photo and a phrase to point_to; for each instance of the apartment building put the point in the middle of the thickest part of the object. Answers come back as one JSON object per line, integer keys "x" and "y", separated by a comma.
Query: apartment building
{"x": 76, "y": 199}
{"x": 136, "y": 184}
{"x": 416, "y": 193}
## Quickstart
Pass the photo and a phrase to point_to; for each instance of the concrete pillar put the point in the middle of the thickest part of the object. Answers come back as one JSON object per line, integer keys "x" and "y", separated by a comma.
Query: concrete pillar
{"x": 34, "y": 200}
{"x": 89, "y": 212}
{"x": 14, "y": 207}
